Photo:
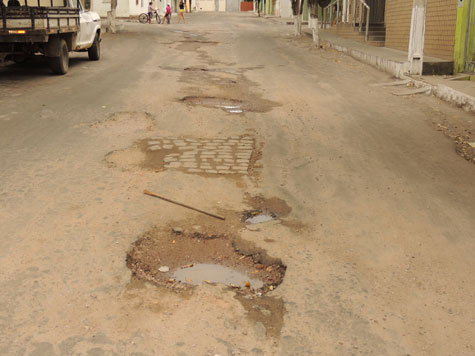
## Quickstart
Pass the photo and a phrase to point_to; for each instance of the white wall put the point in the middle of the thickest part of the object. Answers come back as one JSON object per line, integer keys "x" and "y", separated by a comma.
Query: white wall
{"x": 285, "y": 8}
{"x": 139, "y": 7}
{"x": 102, "y": 6}
{"x": 206, "y": 5}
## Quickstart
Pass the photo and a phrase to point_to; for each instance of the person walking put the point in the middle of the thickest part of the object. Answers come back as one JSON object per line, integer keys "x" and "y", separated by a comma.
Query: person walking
{"x": 182, "y": 11}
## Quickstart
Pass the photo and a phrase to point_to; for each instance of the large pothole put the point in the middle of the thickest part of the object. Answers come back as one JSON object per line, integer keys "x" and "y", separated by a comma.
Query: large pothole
{"x": 182, "y": 258}
{"x": 232, "y": 106}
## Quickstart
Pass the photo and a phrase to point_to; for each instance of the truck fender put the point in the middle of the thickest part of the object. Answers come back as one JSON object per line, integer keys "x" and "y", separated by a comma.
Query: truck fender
{"x": 52, "y": 48}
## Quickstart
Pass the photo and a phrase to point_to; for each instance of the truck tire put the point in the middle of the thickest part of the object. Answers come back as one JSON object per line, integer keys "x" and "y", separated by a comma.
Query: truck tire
{"x": 94, "y": 52}
{"x": 60, "y": 65}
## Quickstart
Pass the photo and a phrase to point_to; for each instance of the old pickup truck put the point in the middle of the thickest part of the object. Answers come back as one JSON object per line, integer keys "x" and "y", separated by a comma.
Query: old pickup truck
{"x": 52, "y": 28}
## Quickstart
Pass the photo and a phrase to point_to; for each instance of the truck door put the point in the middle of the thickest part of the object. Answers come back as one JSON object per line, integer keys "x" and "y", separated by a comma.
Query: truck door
{"x": 85, "y": 26}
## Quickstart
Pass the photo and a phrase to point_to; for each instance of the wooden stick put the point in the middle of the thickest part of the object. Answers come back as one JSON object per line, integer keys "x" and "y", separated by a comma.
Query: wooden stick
{"x": 147, "y": 192}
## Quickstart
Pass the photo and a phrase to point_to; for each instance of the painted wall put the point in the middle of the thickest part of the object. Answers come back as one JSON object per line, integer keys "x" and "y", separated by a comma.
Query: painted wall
{"x": 137, "y": 7}
{"x": 465, "y": 35}
{"x": 206, "y": 5}
{"x": 285, "y": 8}
{"x": 102, "y": 6}
{"x": 440, "y": 26}
{"x": 233, "y": 5}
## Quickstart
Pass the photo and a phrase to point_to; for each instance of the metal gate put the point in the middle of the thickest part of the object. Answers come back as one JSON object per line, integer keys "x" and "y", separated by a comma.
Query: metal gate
{"x": 377, "y": 11}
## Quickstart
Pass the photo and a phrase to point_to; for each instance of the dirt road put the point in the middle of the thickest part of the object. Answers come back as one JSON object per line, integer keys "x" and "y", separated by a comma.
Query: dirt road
{"x": 372, "y": 230}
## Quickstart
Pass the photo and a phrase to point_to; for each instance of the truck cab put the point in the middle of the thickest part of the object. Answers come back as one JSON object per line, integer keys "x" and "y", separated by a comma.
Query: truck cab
{"x": 52, "y": 28}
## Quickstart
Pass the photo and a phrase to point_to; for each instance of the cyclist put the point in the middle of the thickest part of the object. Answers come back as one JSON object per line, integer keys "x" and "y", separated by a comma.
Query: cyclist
{"x": 151, "y": 10}
{"x": 168, "y": 14}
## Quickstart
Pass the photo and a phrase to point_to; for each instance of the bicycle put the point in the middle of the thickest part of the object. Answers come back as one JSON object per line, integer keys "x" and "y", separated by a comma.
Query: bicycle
{"x": 144, "y": 18}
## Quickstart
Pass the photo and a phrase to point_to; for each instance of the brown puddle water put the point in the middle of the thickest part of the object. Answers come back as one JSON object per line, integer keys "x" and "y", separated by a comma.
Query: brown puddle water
{"x": 213, "y": 273}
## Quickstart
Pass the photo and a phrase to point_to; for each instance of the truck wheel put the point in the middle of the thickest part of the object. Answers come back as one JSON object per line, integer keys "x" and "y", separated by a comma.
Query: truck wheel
{"x": 20, "y": 59}
{"x": 94, "y": 51}
{"x": 60, "y": 65}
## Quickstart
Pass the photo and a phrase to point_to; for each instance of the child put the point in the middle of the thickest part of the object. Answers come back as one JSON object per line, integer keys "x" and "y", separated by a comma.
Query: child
{"x": 168, "y": 14}
{"x": 150, "y": 12}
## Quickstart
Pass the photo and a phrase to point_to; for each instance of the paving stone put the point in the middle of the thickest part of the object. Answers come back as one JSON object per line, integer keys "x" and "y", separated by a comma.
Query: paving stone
{"x": 154, "y": 148}
{"x": 169, "y": 159}
{"x": 195, "y": 170}
{"x": 187, "y": 160}
{"x": 211, "y": 171}
{"x": 168, "y": 147}
{"x": 222, "y": 167}
{"x": 189, "y": 165}
{"x": 173, "y": 154}
{"x": 185, "y": 148}
{"x": 151, "y": 143}
{"x": 166, "y": 141}
{"x": 225, "y": 172}
{"x": 242, "y": 161}
{"x": 228, "y": 160}
{"x": 217, "y": 159}
{"x": 219, "y": 140}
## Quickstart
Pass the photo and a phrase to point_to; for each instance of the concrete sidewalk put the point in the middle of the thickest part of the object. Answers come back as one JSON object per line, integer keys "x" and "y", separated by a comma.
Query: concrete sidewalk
{"x": 448, "y": 88}
{"x": 395, "y": 62}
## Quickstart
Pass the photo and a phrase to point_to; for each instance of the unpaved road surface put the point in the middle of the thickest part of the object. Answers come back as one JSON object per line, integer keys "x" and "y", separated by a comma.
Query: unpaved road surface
{"x": 374, "y": 225}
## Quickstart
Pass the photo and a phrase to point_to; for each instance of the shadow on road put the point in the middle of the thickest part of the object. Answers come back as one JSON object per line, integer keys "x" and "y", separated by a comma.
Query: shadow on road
{"x": 35, "y": 67}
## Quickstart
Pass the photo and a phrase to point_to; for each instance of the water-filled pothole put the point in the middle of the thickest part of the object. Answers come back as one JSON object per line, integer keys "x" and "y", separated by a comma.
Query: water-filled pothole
{"x": 232, "y": 106}
{"x": 213, "y": 273}
{"x": 179, "y": 261}
{"x": 265, "y": 210}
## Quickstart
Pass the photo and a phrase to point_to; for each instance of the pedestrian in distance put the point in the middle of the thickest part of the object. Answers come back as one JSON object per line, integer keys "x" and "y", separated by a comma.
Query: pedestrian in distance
{"x": 182, "y": 11}
{"x": 168, "y": 14}
{"x": 150, "y": 12}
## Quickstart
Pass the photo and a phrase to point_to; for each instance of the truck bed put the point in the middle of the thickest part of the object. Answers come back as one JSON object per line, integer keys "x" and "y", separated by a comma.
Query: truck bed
{"x": 37, "y": 21}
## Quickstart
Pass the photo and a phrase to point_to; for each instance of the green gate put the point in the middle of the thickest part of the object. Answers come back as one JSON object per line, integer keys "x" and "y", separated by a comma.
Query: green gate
{"x": 465, "y": 37}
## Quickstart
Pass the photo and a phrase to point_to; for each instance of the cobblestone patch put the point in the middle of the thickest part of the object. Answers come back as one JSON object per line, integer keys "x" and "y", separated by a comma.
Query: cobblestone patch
{"x": 231, "y": 155}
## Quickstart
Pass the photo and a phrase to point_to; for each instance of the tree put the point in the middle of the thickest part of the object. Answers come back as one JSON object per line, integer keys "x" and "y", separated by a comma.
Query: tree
{"x": 313, "y": 11}
{"x": 297, "y": 11}
{"x": 111, "y": 17}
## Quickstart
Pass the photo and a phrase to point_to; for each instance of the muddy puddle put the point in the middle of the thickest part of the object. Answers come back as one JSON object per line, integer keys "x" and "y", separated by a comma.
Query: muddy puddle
{"x": 265, "y": 210}
{"x": 182, "y": 261}
{"x": 231, "y": 106}
{"x": 213, "y": 273}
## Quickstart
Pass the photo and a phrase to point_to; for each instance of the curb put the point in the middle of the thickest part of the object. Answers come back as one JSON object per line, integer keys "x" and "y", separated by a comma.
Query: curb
{"x": 400, "y": 69}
